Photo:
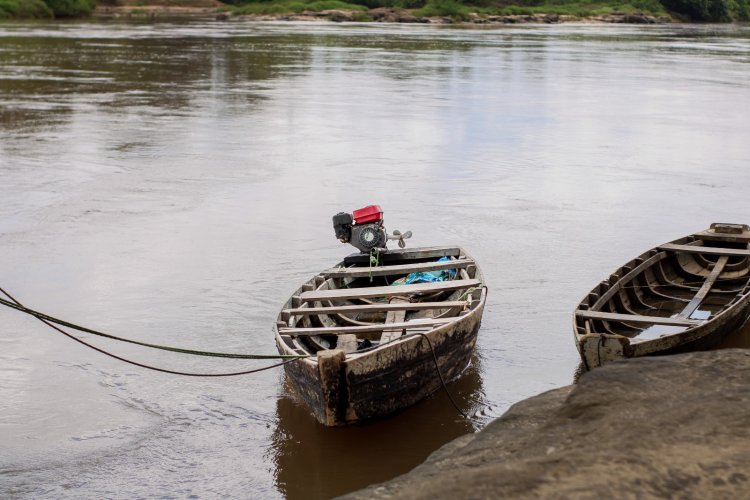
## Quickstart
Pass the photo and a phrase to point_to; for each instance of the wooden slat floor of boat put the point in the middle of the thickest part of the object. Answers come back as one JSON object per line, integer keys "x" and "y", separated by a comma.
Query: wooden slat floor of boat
{"x": 386, "y": 291}
{"x": 361, "y": 272}
{"x": 634, "y": 318}
{"x": 333, "y": 330}
{"x": 406, "y": 254}
{"x": 731, "y": 252}
{"x": 394, "y": 317}
{"x": 707, "y": 285}
{"x": 361, "y": 308}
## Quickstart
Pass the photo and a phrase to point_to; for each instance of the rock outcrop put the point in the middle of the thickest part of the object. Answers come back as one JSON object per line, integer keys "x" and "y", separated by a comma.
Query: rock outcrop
{"x": 673, "y": 426}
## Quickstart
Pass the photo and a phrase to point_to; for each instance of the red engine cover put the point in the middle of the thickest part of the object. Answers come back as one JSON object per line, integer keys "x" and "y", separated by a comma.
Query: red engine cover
{"x": 370, "y": 213}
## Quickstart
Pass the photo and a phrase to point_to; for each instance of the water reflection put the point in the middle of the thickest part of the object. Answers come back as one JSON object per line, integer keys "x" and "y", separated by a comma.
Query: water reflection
{"x": 43, "y": 81}
{"x": 313, "y": 461}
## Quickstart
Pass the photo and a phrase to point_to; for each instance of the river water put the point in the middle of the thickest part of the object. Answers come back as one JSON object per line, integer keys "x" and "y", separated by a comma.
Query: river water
{"x": 174, "y": 183}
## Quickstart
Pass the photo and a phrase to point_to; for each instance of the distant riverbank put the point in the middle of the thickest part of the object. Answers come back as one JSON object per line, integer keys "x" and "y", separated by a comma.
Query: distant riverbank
{"x": 397, "y": 11}
{"x": 265, "y": 12}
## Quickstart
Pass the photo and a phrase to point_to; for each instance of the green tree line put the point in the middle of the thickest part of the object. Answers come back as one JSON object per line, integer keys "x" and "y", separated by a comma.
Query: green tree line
{"x": 688, "y": 10}
{"x": 46, "y": 8}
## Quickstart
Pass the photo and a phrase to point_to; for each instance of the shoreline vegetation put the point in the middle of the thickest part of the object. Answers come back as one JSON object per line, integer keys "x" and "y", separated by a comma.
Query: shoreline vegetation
{"x": 397, "y": 11}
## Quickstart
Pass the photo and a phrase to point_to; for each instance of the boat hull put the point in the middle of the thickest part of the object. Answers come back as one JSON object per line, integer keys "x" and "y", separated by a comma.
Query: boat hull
{"x": 690, "y": 294}
{"x": 386, "y": 380}
{"x": 344, "y": 388}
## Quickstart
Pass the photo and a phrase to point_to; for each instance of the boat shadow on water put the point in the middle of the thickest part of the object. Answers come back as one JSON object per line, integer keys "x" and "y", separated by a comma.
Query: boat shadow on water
{"x": 738, "y": 339}
{"x": 314, "y": 461}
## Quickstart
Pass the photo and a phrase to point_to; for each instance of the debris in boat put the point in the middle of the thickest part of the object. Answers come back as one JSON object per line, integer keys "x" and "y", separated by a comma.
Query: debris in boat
{"x": 428, "y": 276}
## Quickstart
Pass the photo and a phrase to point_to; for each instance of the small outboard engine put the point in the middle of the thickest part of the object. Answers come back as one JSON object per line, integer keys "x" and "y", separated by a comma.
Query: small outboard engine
{"x": 365, "y": 230}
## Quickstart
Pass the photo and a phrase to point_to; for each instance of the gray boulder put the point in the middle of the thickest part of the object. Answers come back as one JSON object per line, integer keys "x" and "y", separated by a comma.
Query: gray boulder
{"x": 669, "y": 427}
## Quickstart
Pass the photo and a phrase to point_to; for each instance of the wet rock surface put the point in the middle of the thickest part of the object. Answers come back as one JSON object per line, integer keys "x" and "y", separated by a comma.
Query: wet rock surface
{"x": 673, "y": 426}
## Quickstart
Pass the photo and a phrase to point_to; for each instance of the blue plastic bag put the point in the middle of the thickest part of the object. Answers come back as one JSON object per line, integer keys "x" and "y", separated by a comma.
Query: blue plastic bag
{"x": 429, "y": 276}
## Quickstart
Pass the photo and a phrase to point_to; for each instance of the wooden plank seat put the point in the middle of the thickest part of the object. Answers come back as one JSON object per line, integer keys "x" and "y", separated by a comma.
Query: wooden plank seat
{"x": 731, "y": 252}
{"x": 707, "y": 285}
{"x": 362, "y": 308}
{"x": 337, "y": 330}
{"x": 405, "y": 254}
{"x": 386, "y": 291}
{"x": 361, "y": 272}
{"x": 635, "y": 318}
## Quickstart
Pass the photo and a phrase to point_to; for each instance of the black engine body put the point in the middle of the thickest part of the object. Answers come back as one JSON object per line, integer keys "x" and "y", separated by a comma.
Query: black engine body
{"x": 364, "y": 235}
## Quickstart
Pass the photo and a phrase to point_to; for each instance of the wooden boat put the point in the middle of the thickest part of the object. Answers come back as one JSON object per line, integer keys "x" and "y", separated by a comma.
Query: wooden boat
{"x": 365, "y": 335}
{"x": 685, "y": 295}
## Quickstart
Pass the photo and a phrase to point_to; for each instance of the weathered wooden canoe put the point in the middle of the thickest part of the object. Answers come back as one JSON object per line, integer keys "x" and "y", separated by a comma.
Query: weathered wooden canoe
{"x": 363, "y": 332}
{"x": 685, "y": 295}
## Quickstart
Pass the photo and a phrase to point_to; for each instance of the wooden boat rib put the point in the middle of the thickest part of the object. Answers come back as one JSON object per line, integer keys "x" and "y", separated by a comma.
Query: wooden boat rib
{"x": 362, "y": 332}
{"x": 684, "y": 295}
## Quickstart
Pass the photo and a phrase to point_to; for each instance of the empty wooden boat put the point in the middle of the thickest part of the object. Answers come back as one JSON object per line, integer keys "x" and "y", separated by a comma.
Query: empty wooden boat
{"x": 685, "y": 295}
{"x": 365, "y": 335}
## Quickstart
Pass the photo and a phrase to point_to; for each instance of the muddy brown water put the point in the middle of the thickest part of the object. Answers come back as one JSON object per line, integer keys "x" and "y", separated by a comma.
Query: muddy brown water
{"x": 174, "y": 182}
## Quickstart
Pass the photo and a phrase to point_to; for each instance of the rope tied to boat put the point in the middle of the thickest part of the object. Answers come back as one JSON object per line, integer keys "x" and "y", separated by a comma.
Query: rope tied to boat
{"x": 468, "y": 292}
{"x": 440, "y": 375}
{"x": 374, "y": 261}
{"x": 52, "y": 322}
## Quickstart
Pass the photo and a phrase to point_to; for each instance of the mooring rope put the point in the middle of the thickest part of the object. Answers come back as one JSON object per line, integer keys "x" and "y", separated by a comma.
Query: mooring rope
{"x": 20, "y": 307}
{"x": 15, "y": 304}
{"x": 440, "y": 375}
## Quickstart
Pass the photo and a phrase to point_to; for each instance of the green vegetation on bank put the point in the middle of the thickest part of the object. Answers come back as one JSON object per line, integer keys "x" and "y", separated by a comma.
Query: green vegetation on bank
{"x": 459, "y": 10}
{"x": 577, "y": 8}
{"x": 24, "y": 8}
{"x": 71, "y": 8}
{"x": 294, "y": 6}
{"x": 45, "y": 8}
{"x": 710, "y": 10}
{"x": 687, "y": 10}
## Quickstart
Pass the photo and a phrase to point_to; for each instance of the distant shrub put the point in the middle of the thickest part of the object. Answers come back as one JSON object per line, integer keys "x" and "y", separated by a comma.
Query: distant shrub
{"x": 265, "y": 8}
{"x": 400, "y": 4}
{"x": 517, "y": 10}
{"x": 700, "y": 10}
{"x": 24, "y": 8}
{"x": 319, "y": 5}
{"x": 410, "y": 4}
{"x": 443, "y": 8}
{"x": 741, "y": 10}
{"x": 71, "y": 8}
